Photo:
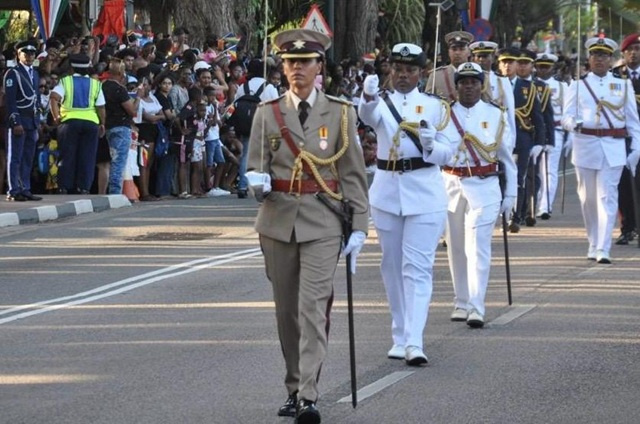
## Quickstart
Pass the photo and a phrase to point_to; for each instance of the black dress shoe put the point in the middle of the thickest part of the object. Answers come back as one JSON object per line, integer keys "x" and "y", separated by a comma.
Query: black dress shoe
{"x": 514, "y": 227}
{"x": 545, "y": 216}
{"x": 61, "y": 191}
{"x": 624, "y": 239}
{"x": 530, "y": 221}
{"x": 289, "y": 407}
{"x": 307, "y": 412}
{"x": 30, "y": 196}
{"x": 16, "y": 198}
{"x": 242, "y": 194}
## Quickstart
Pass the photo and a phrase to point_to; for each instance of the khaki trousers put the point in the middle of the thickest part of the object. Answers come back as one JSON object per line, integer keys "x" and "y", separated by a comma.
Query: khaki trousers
{"x": 301, "y": 275}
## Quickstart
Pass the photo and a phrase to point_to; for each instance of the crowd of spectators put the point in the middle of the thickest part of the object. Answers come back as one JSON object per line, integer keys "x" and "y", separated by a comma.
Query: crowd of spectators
{"x": 168, "y": 107}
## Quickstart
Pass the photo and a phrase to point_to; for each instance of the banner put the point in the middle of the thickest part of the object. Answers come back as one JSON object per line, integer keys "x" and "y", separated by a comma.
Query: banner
{"x": 48, "y": 14}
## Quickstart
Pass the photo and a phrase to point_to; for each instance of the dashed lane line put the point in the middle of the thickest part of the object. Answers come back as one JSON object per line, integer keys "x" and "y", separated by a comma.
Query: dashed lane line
{"x": 378, "y": 385}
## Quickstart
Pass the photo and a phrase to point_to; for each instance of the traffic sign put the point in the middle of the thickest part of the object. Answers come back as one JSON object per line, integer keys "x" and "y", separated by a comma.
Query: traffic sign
{"x": 315, "y": 21}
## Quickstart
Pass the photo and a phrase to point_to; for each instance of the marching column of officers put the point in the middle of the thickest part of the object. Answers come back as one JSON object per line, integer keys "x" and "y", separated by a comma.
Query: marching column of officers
{"x": 477, "y": 144}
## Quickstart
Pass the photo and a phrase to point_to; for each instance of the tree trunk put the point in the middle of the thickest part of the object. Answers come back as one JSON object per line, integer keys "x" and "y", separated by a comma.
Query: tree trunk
{"x": 355, "y": 30}
{"x": 204, "y": 17}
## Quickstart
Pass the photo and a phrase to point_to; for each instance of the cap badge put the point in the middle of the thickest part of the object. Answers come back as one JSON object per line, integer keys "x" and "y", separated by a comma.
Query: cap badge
{"x": 600, "y": 41}
{"x": 481, "y": 45}
{"x": 299, "y": 44}
{"x": 404, "y": 51}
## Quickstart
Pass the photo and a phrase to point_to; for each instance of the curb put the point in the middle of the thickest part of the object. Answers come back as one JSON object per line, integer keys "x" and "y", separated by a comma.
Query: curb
{"x": 64, "y": 210}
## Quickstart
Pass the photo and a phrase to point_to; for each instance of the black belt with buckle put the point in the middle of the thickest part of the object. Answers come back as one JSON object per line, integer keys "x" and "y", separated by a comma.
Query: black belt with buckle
{"x": 403, "y": 165}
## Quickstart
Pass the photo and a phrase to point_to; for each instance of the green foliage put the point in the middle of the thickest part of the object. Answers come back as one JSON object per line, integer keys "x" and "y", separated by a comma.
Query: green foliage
{"x": 18, "y": 26}
{"x": 406, "y": 18}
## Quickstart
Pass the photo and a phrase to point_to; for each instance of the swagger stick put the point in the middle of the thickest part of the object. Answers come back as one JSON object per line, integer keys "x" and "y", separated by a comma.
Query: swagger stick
{"x": 506, "y": 257}
{"x": 345, "y": 213}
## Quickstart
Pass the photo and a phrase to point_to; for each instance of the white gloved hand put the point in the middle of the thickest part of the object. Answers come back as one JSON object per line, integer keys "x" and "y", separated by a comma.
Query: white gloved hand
{"x": 259, "y": 184}
{"x": 353, "y": 247}
{"x": 535, "y": 152}
{"x": 370, "y": 85}
{"x": 427, "y": 137}
{"x": 568, "y": 145}
{"x": 632, "y": 161}
{"x": 507, "y": 206}
{"x": 547, "y": 148}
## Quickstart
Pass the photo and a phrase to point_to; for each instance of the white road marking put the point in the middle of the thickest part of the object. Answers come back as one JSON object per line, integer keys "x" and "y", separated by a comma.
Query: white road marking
{"x": 126, "y": 284}
{"x": 378, "y": 385}
{"x": 514, "y": 313}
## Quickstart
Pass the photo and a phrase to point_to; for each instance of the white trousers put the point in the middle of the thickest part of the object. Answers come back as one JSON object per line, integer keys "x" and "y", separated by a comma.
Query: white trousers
{"x": 469, "y": 233}
{"x": 598, "y": 192}
{"x": 553, "y": 162}
{"x": 408, "y": 246}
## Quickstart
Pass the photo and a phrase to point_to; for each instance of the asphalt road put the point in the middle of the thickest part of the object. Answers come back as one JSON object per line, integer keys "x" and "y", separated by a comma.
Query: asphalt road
{"x": 161, "y": 313}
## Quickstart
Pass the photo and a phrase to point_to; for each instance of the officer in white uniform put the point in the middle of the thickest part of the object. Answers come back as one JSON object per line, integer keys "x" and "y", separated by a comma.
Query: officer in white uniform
{"x": 496, "y": 89}
{"x": 407, "y": 196}
{"x": 482, "y": 133}
{"x": 549, "y": 163}
{"x": 601, "y": 109}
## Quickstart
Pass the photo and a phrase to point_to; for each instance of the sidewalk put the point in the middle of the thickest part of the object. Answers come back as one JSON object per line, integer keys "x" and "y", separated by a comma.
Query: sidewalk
{"x": 56, "y": 206}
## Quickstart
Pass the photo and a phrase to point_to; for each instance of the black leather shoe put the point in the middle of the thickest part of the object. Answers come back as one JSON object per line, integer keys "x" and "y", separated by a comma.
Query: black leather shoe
{"x": 530, "y": 221}
{"x": 514, "y": 227}
{"x": 289, "y": 407}
{"x": 545, "y": 216}
{"x": 30, "y": 196}
{"x": 61, "y": 191}
{"x": 16, "y": 198}
{"x": 624, "y": 239}
{"x": 307, "y": 412}
{"x": 242, "y": 194}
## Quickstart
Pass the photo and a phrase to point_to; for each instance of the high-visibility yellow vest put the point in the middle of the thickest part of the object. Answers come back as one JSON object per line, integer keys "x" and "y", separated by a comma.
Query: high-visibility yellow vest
{"x": 80, "y": 95}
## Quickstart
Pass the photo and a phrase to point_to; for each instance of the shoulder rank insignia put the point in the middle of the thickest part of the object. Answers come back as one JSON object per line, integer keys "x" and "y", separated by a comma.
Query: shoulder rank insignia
{"x": 339, "y": 100}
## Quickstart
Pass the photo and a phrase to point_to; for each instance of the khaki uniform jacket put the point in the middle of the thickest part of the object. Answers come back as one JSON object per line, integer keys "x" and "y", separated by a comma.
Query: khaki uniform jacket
{"x": 282, "y": 213}
{"x": 445, "y": 86}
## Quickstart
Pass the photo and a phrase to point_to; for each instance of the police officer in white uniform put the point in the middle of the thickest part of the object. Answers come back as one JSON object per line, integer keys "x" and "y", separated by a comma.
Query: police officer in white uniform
{"x": 601, "y": 109}
{"x": 496, "y": 88}
{"x": 407, "y": 196}
{"x": 550, "y": 162}
{"x": 471, "y": 178}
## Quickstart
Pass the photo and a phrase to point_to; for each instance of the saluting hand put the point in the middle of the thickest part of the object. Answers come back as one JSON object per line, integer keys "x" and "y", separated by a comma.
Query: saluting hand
{"x": 370, "y": 86}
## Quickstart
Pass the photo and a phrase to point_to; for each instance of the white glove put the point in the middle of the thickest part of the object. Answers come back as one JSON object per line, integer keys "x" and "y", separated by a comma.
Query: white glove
{"x": 547, "y": 148}
{"x": 507, "y": 206}
{"x": 535, "y": 152}
{"x": 259, "y": 184}
{"x": 568, "y": 145}
{"x": 370, "y": 85}
{"x": 353, "y": 247}
{"x": 427, "y": 137}
{"x": 632, "y": 161}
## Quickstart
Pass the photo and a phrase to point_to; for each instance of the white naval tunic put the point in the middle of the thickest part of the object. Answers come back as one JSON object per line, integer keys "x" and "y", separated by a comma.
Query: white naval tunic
{"x": 549, "y": 166}
{"x": 599, "y": 160}
{"x": 501, "y": 92}
{"x": 474, "y": 202}
{"x": 408, "y": 210}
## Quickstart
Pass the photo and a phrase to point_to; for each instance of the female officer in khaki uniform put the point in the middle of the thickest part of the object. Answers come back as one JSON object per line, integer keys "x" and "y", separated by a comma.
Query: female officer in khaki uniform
{"x": 301, "y": 144}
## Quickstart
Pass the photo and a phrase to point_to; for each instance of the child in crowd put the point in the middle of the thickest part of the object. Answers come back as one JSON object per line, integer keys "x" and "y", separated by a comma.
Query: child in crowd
{"x": 215, "y": 157}
{"x": 200, "y": 124}
{"x": 232, "y": 149}
{"x": 188, "y": 129}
